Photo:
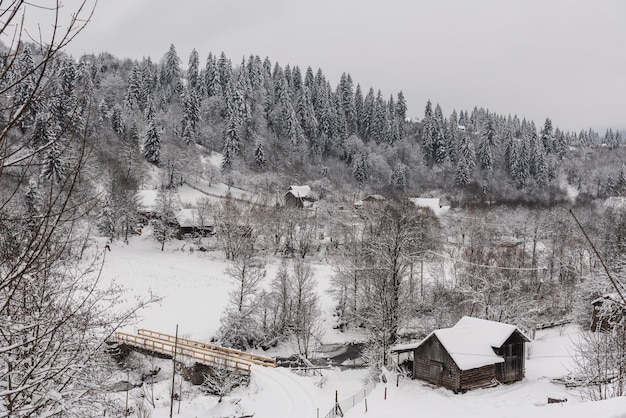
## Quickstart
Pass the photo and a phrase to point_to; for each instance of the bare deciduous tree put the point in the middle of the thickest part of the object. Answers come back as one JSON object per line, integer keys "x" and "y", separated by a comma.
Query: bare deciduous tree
{"x": 55, "y": 311}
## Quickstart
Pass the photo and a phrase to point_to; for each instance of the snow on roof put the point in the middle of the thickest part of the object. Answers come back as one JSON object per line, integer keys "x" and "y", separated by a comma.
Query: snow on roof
{"x": 300, "y": 191}
{"x": 612, "y": 297}
{"x": 374, "y": 197}
{"x": 147, "y": 198}
{"x": 470, "y": 342}
{"x": 466, "y": 348}
{"x": 186, "y": 218}
{"x": 433, "y": 203}
{"x": 496, "y": 333}
{"x": 615, "y": 202}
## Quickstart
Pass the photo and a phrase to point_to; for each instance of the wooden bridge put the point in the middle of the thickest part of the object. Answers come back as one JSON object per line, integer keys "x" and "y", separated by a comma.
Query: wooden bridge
{"x": 198, "y": 351}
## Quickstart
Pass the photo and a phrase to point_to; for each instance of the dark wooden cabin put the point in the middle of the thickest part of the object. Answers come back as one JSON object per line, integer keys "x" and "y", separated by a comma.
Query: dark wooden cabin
{"x": 190, "y": 224}
{"x": 299, "y": 196}
{"x": 474, "y": 353}
{"x": 608, "y": 310}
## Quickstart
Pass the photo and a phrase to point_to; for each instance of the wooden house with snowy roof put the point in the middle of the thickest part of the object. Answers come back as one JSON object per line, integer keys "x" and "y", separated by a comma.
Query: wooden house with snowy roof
{"x": 190, "y": 223}
{"x": 473, "y": 353}
{"x": 608, "y": 311}
{"x": 299, "y": 196}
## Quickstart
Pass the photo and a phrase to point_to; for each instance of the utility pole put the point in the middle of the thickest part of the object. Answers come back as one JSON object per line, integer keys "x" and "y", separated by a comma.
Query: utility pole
{"x": 173, "y": 373}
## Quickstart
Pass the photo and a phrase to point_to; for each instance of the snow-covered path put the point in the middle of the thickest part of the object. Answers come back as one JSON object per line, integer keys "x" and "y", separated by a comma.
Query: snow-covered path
{"x": 278, "y": 393}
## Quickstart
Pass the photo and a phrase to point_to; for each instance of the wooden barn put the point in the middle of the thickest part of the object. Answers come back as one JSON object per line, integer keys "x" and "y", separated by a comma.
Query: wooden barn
{"x": 191, "y": 224}
{"x": 608, "y": 310}
{"x": 299, "y": 196}
{"x": 473, "y": 353}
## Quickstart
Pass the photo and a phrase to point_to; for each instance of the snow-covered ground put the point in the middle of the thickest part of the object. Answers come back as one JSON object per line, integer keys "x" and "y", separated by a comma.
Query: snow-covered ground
{"x": 194, "y": 291}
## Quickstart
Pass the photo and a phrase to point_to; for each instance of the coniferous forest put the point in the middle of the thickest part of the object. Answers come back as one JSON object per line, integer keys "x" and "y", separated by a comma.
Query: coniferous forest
{"x": 275, "y": 125}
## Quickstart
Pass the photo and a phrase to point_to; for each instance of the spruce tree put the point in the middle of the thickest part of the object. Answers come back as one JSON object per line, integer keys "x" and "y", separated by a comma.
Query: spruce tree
{"x": 212, "y": 77}
{"x": 26, "y": 74}
{"x": 152, "y": 143}
{"x": 259, "y": 156}
{"x": 398, "y": 177}
{"x": 191, "y": 114}
{"x": 117, "y": 122}
{"x": 230, "y": 144}
{"x": 621, "y": 180}
{"x": 547, "y": 136}
{"x": 400, "y": 113}
{"x": 170, "y": 74}
{"x": 359, "y": 169}
{"x": 466, "y": 161}
{"x": 358, "y": 108}
{"x": 429, "y": 131}
{"x": 452, "y": 137}
{"x": 193, "y": 71}
{"x": 53, "y": 167}
{"x": 346, "y": 94}
{"x": 367, "y": 115}
{"x": 487, "y": 145}
{"x": 135, "y": 90}
{"x": 225, "y": 71}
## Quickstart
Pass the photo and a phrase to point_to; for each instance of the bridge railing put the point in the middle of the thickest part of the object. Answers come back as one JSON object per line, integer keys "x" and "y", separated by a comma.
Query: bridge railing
{"x": 231, "y": 352}
{"x": 161, "y": 346}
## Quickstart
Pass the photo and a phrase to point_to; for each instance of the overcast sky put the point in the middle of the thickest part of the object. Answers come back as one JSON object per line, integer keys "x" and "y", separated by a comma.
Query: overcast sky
{"x": 535, "y": 58}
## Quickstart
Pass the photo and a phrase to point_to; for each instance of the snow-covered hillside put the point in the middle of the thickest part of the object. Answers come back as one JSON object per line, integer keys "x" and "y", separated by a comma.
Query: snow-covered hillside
{"x": 194, "y": 291}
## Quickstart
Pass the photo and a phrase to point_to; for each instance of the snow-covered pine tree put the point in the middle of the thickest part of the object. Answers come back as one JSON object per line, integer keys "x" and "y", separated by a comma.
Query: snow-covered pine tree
{"x": 428, "y": 136}
{"x": 398, "y": 177}
{"x": 135, "y": 90}
{"x": 212, "y": 77}
{"x": 359, "y": 169}
{"x": 452, "y": 137}
{"x": 171, "y": 73}
{"x": 358, "y": 109}
{"x": 152, "y": 143}
{"x": 260, "y": 160}
{"x": 367, "y": 115}
{"x": 346, "y": 94}
{"x": 117, "y": 121}
{"x": 487, "y": 145}
{"x": 190, "y": 104}
{"x": 230, "y": 143}
{"x": 193, "y": 71}
{"x": 53, "y": 165}
{"x": 466, "y": 161}
{"x": 225, "y": 71}
{"x": 306, "y": 114}
{"x": 547, "y": 137}
{"x": 25, "y": 71}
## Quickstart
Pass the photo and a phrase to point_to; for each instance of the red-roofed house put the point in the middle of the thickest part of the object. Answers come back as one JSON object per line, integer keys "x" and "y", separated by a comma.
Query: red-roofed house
{"x": 473, "y": 353}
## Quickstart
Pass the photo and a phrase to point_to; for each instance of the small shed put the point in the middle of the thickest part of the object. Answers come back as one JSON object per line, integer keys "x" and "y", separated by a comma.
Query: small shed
{"x": 473, "y": 353}
{"x": 372, "y": 200}
{"x": 432, "y": 203}
{"x": 189, "y": 222}
{"x": 299, "y": 196}
{"x": 608, "y": 310}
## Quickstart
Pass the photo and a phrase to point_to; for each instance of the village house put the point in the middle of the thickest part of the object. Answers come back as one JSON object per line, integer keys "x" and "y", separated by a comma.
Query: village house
{"x": 191, "y": 224}
{"x": 473, "y": 353}
{"x": 299, "y": 196}
{"x": 608, "y": 310}
{"x": 372, "y": 200}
